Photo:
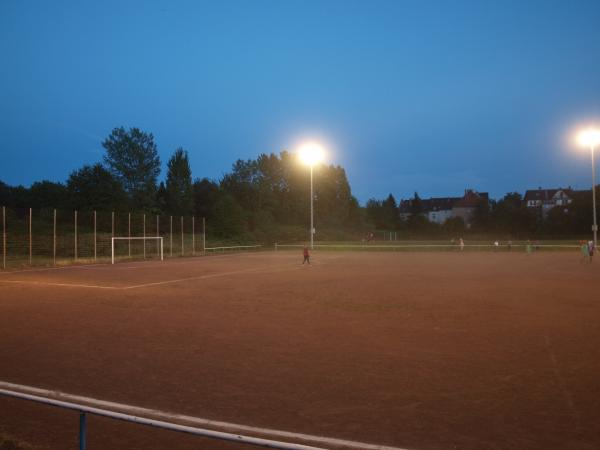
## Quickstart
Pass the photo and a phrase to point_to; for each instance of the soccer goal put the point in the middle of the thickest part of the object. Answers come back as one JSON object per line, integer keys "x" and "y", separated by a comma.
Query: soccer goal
{"x": 136, "y": 247}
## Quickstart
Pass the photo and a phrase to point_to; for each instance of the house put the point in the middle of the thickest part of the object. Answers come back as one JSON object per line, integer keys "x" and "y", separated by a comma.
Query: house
{"x": 440, "y": 209}
{"x": 468, "y": 204}
{"x": 546, "y": 199}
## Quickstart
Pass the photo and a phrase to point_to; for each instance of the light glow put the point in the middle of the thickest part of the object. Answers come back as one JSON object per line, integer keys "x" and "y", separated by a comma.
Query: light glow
{"x": 311, "y": 153}
{"x": 589, "y": 137}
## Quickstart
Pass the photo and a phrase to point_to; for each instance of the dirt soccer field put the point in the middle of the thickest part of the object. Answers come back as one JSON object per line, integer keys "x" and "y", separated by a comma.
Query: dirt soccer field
{"x": 405, "y": 350}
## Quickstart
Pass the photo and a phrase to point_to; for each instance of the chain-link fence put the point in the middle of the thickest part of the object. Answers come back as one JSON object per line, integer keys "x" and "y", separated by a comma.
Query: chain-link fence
{"x": 57, "y": 237}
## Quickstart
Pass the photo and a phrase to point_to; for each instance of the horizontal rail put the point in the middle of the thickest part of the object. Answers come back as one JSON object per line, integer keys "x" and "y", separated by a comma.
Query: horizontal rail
{"x": 426, "y": 245}
{"x": 158, "y": 423}
{"x": 233, "y": 246}
{"x": 125, "y": 238}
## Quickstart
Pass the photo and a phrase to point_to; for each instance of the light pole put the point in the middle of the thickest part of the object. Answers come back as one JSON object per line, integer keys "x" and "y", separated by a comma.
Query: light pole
{"x": 311, "y": 154}
{"x": 591, "y": 138}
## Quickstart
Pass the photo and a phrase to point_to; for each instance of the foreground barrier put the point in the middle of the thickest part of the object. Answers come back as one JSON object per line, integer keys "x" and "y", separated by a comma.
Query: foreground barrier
{"x": 85, "y": 410}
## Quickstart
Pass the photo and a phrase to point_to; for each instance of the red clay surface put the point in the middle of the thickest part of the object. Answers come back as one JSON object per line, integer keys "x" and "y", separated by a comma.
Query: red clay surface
{"x": 414, "y": 350}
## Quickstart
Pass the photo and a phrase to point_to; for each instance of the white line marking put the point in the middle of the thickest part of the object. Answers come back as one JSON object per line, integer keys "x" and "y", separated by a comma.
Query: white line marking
{"x": 202, "y": 277}
{"x": 232, "y": 427}
{"x": 44, "y": 283}
{"x": 560, "y": 380}
{"x": 137, "y": 286}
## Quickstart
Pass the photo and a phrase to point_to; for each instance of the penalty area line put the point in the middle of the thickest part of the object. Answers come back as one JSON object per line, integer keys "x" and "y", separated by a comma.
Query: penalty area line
{"x": 220, "y": 425}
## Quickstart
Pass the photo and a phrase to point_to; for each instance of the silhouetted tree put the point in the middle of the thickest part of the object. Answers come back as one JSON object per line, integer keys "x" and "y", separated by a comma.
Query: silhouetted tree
{"x": 132, "y": 157}
{"x": 180, "y": 196}
{"x": 95, "y": 188}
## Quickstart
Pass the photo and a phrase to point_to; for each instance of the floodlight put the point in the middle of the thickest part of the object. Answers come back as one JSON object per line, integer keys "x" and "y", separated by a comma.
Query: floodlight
{"x": 589, "y": 137}
{"x": 311, "y": 153}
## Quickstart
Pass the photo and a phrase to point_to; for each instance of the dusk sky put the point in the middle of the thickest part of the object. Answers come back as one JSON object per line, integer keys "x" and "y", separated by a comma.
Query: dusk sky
{"x": 433, "y": 97}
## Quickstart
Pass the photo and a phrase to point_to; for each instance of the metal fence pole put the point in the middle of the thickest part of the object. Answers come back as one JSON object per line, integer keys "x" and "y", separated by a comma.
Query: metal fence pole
{"x": 129, "y": 233}
{"x": 144, "y": 234}
{"x": 95, "y": 238}
{"x": 75, "y": 235}
{"x": 203, "y": 235}
{"x": 181, "y": 235}
{"x": 4, "y": 237}
{"x": 158, "y": 244}
{"x": 112, "y": 224}
{"x": 171, "y": 236}
{"x": 82, "y": 431}
{"x": 193, "y": 237}
{"x": 30, "y": 238}
{"x": 54, "y": 239}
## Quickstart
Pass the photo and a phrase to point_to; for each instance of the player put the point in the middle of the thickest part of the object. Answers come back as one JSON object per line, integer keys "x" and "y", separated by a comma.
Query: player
{"x": 585, "y": 252}
{"x": 306, "y": 256}
{"x": 591, "y": 250}
{"x": 461, "y": 243}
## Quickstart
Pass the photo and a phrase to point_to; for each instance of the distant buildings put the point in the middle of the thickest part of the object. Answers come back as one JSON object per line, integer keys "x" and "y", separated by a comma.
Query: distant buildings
{"x": 440, "y": 209}
{"x": 547, "y": 199}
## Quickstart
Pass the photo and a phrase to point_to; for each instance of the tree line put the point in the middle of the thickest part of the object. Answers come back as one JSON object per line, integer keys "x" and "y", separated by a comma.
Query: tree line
{"x": 269, "y": 198}
{"x": 508, "y": 217}
{"x": 262, "y": 198}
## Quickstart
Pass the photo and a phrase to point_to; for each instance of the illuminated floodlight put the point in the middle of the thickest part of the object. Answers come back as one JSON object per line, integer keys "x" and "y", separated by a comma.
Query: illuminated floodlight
{"x": 589, "y": 137}
{"x": 311, "y": 153}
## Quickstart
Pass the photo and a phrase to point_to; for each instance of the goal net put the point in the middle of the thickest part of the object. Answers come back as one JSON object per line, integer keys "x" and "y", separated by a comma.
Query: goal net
{"x": 123, "y": 248}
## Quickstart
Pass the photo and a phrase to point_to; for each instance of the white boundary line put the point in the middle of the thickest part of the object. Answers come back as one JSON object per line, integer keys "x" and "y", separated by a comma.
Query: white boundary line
{"x": 44, "y": 283}
{"x": 230, "y": 427}
{"x": 156, "y": 283}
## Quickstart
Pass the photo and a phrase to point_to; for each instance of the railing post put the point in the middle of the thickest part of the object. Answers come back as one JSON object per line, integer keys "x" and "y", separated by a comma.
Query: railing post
{"x": 129, "y": 234}
{"x": 75, "y": 235}
{"x": 193, "y": 237}
{"x": 95, "y": 239}
{"x": 30, "y": 238}
{"x": 4, "y": 237}
{"x": 204, "y": 235}
{"x": 144, "y": 235}
{"x": 82, "y": 431}
{"x": 182, "y": 252}
{"x": 54, "y": 239}
{"x": 170, "y": 235}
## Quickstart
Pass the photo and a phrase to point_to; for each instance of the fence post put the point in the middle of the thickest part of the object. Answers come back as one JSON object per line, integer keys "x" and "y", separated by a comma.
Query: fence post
{"x": 30, "y": 237}
{"x": 144, "y": 234}
{"x": 193, "y": 238}
{"x": 112, "y": 224}
{"x": 95, "y": 243}
{"x": 182, "y": 253}
{"x": 129, "y": 233}
{"x": 82, "y": 431}
{"x": 158, "y": 244}
{"x": 4, "y": 237}
{"x": 75, "y": 235}
{"x": 204, "y": 236}
{"x": 171, "y": 236}
{"x": 54, "y": 239}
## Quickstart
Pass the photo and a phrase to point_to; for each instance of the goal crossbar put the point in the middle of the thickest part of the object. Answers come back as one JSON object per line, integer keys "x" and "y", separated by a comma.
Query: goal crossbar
{"x": 134, "y": 238}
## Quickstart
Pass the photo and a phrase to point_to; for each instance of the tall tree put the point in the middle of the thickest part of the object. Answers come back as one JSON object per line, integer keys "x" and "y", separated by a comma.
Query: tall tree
{"x": 206, "y": 195}
{"x": 132, "y": 156}
{"x": 180, "y": 195}
{"x": 47, "y": 194}
{"x": 95, "y": 188}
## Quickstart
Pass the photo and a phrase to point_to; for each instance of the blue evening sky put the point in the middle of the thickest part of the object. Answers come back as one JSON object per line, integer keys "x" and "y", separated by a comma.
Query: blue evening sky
{"x": 408, "y": 95}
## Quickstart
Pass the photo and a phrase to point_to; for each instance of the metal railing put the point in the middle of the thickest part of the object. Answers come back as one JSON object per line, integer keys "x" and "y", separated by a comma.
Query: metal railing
{"x": 84, "y": 411}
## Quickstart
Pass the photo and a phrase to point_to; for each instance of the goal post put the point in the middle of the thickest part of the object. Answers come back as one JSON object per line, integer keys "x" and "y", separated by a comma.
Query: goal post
{"x": 115, "y": 240}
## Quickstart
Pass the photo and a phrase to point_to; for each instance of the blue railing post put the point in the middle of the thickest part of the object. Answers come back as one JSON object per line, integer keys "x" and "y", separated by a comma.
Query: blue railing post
{"x": 82, "y": 430}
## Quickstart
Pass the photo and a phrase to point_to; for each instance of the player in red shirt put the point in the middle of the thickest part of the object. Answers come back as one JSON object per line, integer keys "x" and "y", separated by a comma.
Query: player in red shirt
{"x": 306, "y": 255}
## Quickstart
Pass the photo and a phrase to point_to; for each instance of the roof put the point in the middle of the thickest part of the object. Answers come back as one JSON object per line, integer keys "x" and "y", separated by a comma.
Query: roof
{"x": 471, "y": 199}
{"x": 545, "y": 195}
